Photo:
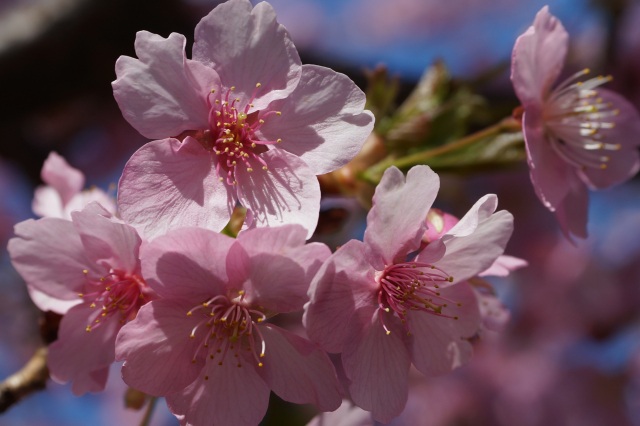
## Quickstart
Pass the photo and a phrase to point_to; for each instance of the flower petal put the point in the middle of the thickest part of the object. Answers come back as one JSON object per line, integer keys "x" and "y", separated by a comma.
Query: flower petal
{"x": 469, "y": 255}
{"x": 504, "y": 265}
{"x": 347, "y": 415}
{"x": 322, "y": 121}
{"x": 167, "y": 184}
{"x": 298, "y": 371}
{"x": 377, "y": 364}
{"x": 104, "y": 240}
{"x": 396, "y": 222}
{"x": 623, "y": 163}
{"x": 538, "y": 58}
{"x": 49, "y": 255}
{"x": 247, "y": 47}
{"x": 288, "y": 192}
{"x": 57, "y": 173}
{"x": 156, "y": 339}
{"x": 228, "y": 396}
{"x": 161, "y": 93}
{"x": 187, "y": 263}
{"x": 438, "y": 344}
{"x": 572, "y": 214}
{"x": 344, "y": 282}
{"x": 78, "y": 353}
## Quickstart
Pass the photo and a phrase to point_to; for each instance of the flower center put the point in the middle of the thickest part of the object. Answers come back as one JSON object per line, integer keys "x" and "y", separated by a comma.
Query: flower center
{"x": 226, "y": 328}
{"x": 578, "y": 121}
{"x": 412, "y": 286}
{"x": 117, "y": 293}
{"x": 232, "y": 134}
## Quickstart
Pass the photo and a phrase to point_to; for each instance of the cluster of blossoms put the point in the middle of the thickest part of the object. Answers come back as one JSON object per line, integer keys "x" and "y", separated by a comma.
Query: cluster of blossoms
{"x": 152, "y": 281}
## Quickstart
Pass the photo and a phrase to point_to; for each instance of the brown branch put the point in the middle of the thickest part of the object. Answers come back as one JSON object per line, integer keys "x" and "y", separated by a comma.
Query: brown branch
{"x": 31, "y": 378}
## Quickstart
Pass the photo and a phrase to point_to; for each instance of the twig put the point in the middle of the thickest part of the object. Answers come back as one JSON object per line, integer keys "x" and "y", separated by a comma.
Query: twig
{"x": 31, "y": 378}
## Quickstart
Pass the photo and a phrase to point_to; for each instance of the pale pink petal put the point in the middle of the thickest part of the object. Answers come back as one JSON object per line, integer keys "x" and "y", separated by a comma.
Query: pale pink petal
{"x": 623, "y": 163}
{"x": 78, "y": 352}
{"x": 347, "y": 415}
{"x": 86, "y": 197}
{"x": 322, "y": 121}
{"x": 247, "y": 47}
{"x": 311, "y": 257}
{"x": 549, "y": 173}
{"x": 47, "y": 203}
{"x": 288, "y": 192}
{"x": 167, "y": 184}
{"x": 438, "y": 344}
{"x": 57, "y": 173}
{"x": 298, "y": 371}
{"x": 504, "y": 265}
{"x": 157, "y": 348}
{"x": 467, "y": 256}
{"x": 44, "y": 302}
{"x": 377, "y": 364}
{"x": 272, "y": 281}
{"x": 277, "y": 239}
{"x": 161, "y": 94}
{"x": 538, "y": 58}
{"x": 344, "y": 282}
{"x": 115, "y": 244}
{"x": 49, "y": 255}
{"x": 396, "y": 222}
{"x": 478, "y": 213}
{"x": 228, "y": 396}
{"x": 186, "y": 263}
{"x": 572, "y": 214}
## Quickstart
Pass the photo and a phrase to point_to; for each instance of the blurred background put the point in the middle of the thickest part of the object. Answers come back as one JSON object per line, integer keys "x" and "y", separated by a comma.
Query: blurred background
{"x": 570, "y": 354}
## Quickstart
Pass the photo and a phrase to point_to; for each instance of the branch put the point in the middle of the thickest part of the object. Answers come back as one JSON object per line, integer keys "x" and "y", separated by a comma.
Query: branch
{"x": 31, "y": 378}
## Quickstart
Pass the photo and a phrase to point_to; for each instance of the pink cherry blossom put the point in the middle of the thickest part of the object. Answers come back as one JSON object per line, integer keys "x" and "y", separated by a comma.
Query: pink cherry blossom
{"x": 211, "y": 325}
{"x": 63, "y": 192}
{"x": 243, "y": 121}
{"x": 390, "y": 302}
{"x": 88, "y": 269}
{"x": 578, "y": 135}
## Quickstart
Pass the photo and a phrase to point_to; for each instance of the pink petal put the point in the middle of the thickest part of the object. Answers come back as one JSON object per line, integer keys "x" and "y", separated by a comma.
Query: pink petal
{"x": 161, "y": 94}
{"x": 49, "y": 255}
{"x": 157, "y": 349}
{"x": 549, "y": 173}
{"x": 104, "y": 240}
{"x": 47, "y": 203}
{"x": 272, "y": 281}
{"x": 396, "y": 222}
{"x": 180, "y": 265}
{"x": 625, "y": 162}
{"x": 247, "y": 47}
{"x": 277, "y": 239}
{"x": 298, "y": 371}
{"x": 229, "y": 396}
{"x": 167, "y": 184}
{"x": 504, "y": 265}
{"x": 78, "y": 353}
{"x": 572, "y": 214}
{"x": 377, "y": 364}
{"x": 469, "y": 255}
{"x": 57, "y": 173}
{"x": 344, "y": 282}
{"x": 95, "y": 381}
{"x": 438, "y": 343}
{"x": 44, "y": 302}
{"x": 538, "y": 58}
{"x": 322, "y": 121}
{"x": 86, "y": 197}
{"x": 347, "y": 415}
{"x": 288, "y": 192}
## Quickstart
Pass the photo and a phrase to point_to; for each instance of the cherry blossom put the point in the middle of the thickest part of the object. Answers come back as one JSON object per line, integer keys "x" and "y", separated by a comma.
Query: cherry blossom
{"x": 211, "y": 325}
{"x": 390, "y": 302}
{"x": 87, "y": 269}
{"x": 578, "y": 135}
{"x": 242, "y": 122}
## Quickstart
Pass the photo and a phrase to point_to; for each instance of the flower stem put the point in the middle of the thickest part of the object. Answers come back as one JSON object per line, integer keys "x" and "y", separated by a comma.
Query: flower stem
{"x": 506, "y": 124}
{"x": 149, "y": 412}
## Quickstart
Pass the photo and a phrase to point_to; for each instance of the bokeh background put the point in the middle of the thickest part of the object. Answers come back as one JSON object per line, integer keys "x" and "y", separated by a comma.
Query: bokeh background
{"x": 570, "y": 354}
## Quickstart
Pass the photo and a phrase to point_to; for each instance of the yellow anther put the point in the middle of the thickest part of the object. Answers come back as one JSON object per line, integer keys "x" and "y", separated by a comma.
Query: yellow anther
{"x": 85, "y": 271}
{"x": 249, "y": 169}
{"x": 261, "y": 121}
{"x": 278, "y": 113}
{"x": 260, "y": 364}
{"x": 258, "y": 85}
{"x": 265, "y": 168}
{"x": 189, "y": 313}
{"x": 232, "y": 88}
{"x": 80, "y": 295}
{"x": 88, "y": 328}
{"x": 93, "y": 305}
{"x": 278, "y": 140}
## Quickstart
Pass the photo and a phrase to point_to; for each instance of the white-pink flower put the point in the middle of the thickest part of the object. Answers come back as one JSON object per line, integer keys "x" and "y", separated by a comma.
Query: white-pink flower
{"x": 243, "y": 121}
{"x": 207, "y": 344}
{"x": 64, "y": 190}
{"x": 578, "y": 135}
{"x": 87, "y": 269}
{"x": 390, "y": 302}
